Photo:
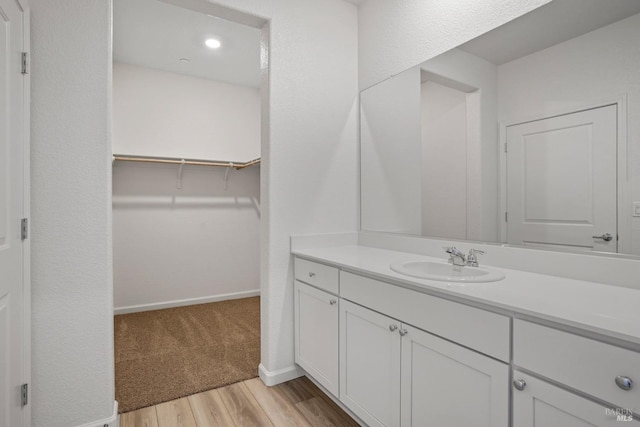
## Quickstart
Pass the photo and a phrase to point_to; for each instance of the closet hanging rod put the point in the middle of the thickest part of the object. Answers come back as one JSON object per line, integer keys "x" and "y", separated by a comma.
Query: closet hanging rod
{"x": 175, "y": 161}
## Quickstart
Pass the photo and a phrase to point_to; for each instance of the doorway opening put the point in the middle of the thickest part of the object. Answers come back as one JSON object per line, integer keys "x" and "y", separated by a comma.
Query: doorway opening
{"x": 186, "y": 200}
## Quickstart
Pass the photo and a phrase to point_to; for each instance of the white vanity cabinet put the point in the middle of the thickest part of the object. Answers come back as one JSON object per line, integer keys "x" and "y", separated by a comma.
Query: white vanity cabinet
{"x": 444, "y": 384}
{"x": 540, "y": 404}
{"x": 606, "y": 372}
{"x": 370, "y": 365}
{"x": 316, "y": 325}
{"x": 395, "y": 374}
{"x": 406, "y": 353}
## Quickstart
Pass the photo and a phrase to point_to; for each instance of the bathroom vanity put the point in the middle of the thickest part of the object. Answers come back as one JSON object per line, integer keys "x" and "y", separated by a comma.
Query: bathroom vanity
{"x": 402, "y": 351}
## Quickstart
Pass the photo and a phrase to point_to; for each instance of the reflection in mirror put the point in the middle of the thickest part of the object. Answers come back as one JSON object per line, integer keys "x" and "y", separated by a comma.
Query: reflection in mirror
{"x": 528, "y": 135}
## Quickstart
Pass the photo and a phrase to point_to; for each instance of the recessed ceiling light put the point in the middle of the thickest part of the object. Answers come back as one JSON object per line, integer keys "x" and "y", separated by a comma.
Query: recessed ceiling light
{"x": 212, "y": 43}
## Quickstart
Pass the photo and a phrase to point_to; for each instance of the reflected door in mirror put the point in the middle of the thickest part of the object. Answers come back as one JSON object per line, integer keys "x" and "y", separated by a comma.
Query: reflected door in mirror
{"x": 561, "y": 181}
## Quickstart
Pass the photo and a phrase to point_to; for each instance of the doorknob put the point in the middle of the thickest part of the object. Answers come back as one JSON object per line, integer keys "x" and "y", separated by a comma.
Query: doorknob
{"x": 607, "y": 237}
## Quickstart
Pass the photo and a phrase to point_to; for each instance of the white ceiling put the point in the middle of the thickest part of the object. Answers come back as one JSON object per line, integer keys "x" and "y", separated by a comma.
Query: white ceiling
{"x": 154, "y": 34}
{"x": 548, "y": 25}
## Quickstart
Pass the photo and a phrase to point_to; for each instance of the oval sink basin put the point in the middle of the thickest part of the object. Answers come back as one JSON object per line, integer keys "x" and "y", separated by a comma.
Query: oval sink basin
{"x": 446, "y": 272}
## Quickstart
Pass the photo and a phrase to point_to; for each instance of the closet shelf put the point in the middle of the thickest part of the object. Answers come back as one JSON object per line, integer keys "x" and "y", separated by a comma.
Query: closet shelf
{"x": 176, "y": 161}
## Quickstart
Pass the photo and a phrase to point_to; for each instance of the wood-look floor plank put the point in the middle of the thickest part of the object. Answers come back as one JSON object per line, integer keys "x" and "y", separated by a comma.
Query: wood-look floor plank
{"x": 176, "y": 413}
{"x": 145, "y": 417}
{"x": 209, "y": 411}
{"x": 295, "y": 403}
{"x": 274, "y": 402}
{"x": 320, "y": 414}
{"x": 243, "y": 407}
{"x": 311, "y": 387}
{"x": 296, "y": 391}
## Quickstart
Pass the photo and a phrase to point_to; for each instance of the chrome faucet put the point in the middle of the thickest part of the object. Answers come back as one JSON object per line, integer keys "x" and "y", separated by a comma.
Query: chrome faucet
{"x": 472, "y": 259}
{"x": 456, "y": 257}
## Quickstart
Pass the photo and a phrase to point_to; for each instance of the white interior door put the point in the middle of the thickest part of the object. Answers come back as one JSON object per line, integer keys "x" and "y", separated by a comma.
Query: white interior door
{"x": 561, "y": 181}
{"x": 12, "y": 173}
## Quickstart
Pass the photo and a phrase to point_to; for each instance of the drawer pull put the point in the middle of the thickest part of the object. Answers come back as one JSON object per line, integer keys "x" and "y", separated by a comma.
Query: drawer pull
{"x": 403, "y": 332}
{"x": 392, "y": 328}
{"x": 624, "y": 383}
{"x": 519, "y": 384}
{"x": 312, "y": 274}
{"x": 333, "y": 302}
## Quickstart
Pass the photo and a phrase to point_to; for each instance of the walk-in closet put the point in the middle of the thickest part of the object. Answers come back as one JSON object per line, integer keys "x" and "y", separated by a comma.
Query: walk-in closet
{"x": 186, "y": 202}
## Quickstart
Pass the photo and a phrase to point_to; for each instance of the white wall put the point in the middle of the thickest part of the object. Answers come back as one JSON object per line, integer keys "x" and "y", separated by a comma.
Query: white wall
{"x": 396, "y": 35}
{"x": 193, "y": 243}
{"x": 157, "y": 113}
{"x": 444, "y": 161}
{"x": 390, "y": 153}
{"x": 599, "y": 65}
{"x": 72, "y": 330}
{"x": 202, "y": 241}
{"x": 482, "y": 137}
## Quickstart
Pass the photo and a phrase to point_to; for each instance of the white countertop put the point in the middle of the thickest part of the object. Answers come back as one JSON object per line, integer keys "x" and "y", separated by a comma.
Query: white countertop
{"x": 608, "y": 310}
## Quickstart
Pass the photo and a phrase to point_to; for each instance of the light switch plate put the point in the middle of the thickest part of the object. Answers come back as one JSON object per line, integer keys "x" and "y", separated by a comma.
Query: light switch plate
{"x": 636, "y": 208}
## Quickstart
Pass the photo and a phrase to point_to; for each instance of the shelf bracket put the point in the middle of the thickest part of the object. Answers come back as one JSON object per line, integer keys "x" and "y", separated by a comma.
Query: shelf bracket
{"x": 179, "y": 178}
{"x": 226, "y": 176}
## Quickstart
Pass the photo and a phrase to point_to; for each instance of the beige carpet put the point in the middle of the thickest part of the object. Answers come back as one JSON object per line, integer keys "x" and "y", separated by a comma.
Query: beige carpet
{"x": 162, "y": 355}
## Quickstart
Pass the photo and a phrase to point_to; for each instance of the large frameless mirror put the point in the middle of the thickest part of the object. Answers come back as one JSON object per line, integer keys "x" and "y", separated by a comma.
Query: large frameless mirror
{"x": 528, "y": 135}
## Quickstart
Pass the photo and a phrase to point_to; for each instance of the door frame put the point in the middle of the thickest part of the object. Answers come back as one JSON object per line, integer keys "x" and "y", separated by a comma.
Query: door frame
{"x": 623, "y": 207}
{"x": 26, "y": 210}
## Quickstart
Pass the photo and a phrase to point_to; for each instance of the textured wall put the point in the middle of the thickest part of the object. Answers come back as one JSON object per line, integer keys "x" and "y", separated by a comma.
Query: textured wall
{"x": 156, "y": 113}
{"x": 396, "y": 35}
{"x": 72, "y": 333}
{"x": 390, "y": 154}
{"x": 482, "y": 138}
{"x": 174, "y": 244}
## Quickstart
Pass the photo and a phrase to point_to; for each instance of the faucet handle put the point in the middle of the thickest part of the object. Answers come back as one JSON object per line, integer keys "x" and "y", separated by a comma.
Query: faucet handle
{"x": 472, "y": 259}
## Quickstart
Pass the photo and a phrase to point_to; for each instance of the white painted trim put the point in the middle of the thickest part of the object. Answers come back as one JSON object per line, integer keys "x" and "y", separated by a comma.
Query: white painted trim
{"x": 26, "y": 213}
{"x": 271, "y": 378}
{"x": 112, "y": 421}
{"x": 622, "y": 179}
{"x": 185, "y": 302}
{"x": 502, "y": 182}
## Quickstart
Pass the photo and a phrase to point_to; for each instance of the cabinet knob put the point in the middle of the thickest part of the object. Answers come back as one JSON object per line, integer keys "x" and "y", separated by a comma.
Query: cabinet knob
{"x": 392, "y": 328}
{"x": 333, "y": 302}
{"x": 312, "y": 274}
{"x": 624, "y": 383}
{"x": 519, "y": 384}
{"x": 403, "y": 332}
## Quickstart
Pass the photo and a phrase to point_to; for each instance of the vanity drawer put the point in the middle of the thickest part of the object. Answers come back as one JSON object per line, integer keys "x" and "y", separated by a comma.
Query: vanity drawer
{"x": 472, "y": 327}
{"x": 581, "y": 363}
{"x": 315, "y": 274}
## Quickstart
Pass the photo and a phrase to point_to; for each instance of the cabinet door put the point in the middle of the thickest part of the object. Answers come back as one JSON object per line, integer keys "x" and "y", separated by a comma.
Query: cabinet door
{"x": 541, "y": 404}
{"x": 370, "y": 365}
{"x": 444, "y": 384}
{"x": 316, "y": 334}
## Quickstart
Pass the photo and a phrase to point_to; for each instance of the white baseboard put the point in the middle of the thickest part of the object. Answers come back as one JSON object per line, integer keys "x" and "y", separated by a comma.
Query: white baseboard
{"x": 112, "y": 421}
{"x": 184, "y": 302}
{"x": 271, "y": 378}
